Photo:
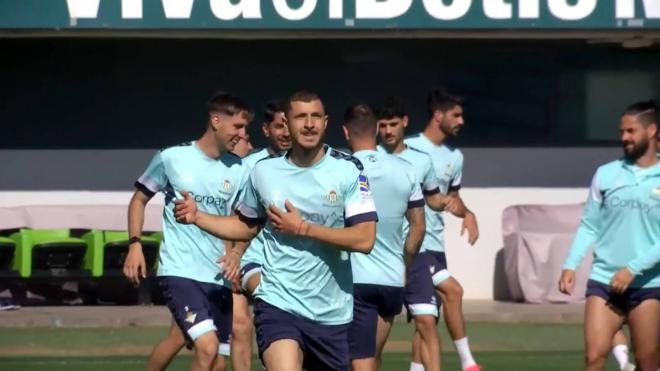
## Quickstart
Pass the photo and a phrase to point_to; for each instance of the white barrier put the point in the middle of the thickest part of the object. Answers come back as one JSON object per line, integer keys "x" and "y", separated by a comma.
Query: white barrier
{"x": 473, "y": 266}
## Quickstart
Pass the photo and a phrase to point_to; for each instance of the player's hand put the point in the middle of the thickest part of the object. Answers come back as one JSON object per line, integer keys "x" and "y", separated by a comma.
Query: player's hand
{"x": 452, "y": 204}
{"x": 621, "y": 280}
{"x": 134, "y": 265}
{"x": 470, "y": 225}
{"x": 288, "y": 221}
{"x": 567, "y": 281}
{"x": 230, "y": 264}
{"x": 185, "y": 210}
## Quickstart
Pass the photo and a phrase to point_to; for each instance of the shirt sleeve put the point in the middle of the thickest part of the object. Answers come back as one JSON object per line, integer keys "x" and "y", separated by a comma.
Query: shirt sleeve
{"x": 250, "y": 205}
{"x": 416, "y": 198}
{"x": 645, "y": 261}
{"x": 154, "y": 178}
{"x": 587, "y": 232}
{"x": 359, "y": 206}
{"x": 430, "y": 184}
{"x": 457, "y": 177}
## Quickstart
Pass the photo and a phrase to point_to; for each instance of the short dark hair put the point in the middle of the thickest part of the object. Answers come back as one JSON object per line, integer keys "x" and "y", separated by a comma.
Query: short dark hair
{"x": 647, "y": 112}
{"x": 439, "y": 99}
{"x": 301, "y": 96}
{"x": 271, "y": 108}
{"x": 227, "y": 104}
{"x": 360, "y": 120}
{"x": 392, "y": 107}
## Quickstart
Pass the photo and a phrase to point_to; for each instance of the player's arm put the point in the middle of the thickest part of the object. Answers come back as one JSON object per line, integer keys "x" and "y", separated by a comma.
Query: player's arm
{"x": 469, "y": 219}
{"x": 134, "y": 265}
{"x": 586, "y": 235}
{"x": 232, "y": 227}
{"x": 230, "y": 263}
{"x": 415, "y": 237}
{"x": 151, "y": 182}
{"x": 358, "y": 236}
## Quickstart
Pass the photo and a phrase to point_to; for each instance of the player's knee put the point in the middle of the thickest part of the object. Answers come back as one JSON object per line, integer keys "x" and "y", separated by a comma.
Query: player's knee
{"x": 425, "y": 326}
{"x": 206, "y": 348}
{"x": 594, "y": 357}
{"x": 242, "y": 326}
{"x": 452, "y": 291}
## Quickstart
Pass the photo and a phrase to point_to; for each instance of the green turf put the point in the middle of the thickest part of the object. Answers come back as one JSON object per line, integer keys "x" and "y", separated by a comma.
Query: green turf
{"x": 496, "y": 346}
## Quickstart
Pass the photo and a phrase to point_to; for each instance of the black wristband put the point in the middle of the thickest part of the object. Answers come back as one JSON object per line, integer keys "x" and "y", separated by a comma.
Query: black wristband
{"x": 134, "y": 239}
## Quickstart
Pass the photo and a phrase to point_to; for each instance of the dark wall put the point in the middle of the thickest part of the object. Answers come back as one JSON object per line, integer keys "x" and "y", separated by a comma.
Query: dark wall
{"x": 150, "y": 93}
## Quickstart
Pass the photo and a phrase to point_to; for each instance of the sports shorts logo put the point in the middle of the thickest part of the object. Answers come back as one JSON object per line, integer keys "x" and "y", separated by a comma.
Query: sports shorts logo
{"x": 190, "y": 316}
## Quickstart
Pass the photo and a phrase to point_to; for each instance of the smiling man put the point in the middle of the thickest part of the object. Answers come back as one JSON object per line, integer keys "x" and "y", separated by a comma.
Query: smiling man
{"x": 198, "y": 296}
{"x": 622, "y": 220}
{"x": 304, "y": 303}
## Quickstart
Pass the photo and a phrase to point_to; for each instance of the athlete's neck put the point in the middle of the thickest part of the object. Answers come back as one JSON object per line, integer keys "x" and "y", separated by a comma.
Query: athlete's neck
{"x": 650, "y": 158}
{"x": 209, "y": 145}
{"x": 302, "y": 157}
{"x": 367, "y": 144}
{"x": 397, "y": 148}
{"x": 434, "y": 134}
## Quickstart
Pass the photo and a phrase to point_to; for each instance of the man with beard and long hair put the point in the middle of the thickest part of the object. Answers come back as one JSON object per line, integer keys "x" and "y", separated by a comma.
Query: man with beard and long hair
{"x": 622, "y": 220}
{"x": 428, "y": 277}
{"x": 304, "y": 302}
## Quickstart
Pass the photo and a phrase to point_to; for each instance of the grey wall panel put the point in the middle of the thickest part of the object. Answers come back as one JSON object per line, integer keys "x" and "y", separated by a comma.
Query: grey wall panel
{"x": 116, "y": 170}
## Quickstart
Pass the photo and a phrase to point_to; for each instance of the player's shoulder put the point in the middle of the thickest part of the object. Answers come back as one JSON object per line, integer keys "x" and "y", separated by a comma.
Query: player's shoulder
{"x": 255, "y": 156}
{"x": 346, "y": 159}
{"x": 176, "y": 150}
{"x": 268, "y": 160}
{"x": 607, "y": 172}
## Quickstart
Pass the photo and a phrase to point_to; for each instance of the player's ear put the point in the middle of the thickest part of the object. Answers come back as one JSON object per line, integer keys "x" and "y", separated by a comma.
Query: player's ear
{"x": 264, "y": 129}
{"x": 345, "y": 132}
{"x": 405, "y": 121}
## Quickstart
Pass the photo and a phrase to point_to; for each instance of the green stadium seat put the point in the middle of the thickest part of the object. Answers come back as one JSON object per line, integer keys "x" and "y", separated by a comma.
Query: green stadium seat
{"x": 109, "y": 249}
{"x": 7, "y": 251}
{"x": 49, "y": 253}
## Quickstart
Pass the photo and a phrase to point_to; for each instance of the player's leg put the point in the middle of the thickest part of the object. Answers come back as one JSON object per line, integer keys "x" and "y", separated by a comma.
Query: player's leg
{"x": 382, "y": 333}
{"x": 451, "y": 293}
{"x": 416, "y": 364}
{"x": 242, "y": 330}
{"x": 601, "y": 321}
{"x": 390, "y": 303}
{"x": 620, "y": 350}
{"x": 325, "y": 346}
{"x": 278, "y": 337}
{"x": 220, "y": 303}
{"x": 363, "y": 328}
{"x": 422, "y": 303}
{"x": 205, "y": 351}
{"x": 644, "y": 323}
{"x": 165, "y": 351}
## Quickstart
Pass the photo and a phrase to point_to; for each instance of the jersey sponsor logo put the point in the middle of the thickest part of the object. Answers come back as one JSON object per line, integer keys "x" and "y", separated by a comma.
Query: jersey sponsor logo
{"x": 617, "y": 202}
{"x": 321, "y": 218}
{"x": 209, "y": 200}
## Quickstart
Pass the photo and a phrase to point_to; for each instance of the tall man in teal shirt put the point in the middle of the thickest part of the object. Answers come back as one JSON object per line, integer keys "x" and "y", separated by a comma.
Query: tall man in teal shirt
{"x": 304, "y": 303}
{"x": 197, "y": 293}
{"x": 379, "y": 277}
{"x": 622, "y": 220}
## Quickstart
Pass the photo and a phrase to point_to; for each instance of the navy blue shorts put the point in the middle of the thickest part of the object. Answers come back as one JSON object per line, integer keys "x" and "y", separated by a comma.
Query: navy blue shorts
{"x": 247, "y": 271}
{"x": 625, "y": 302}
{"x": 369, "y": 302}
{"x": 198, "y": 308}
{"x": 428, "y": 270}
{"x": 324, "y": 347}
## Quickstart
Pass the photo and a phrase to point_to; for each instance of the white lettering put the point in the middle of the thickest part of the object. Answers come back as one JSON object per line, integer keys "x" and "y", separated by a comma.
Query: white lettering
{"x": 498, "y": 9}
{"x": 580, "y": 10}
{"x": 304, "y": 11}
{"x": 83, "y": 8}
{"x": 336, "y": 9}
{"x": 528, "y": 9}
{"x": 375, "y": 9}
{"x": 227, "y": 11}
{"x": 131, "y": 9}
{"x": 177, "y": 9}
{"x": 626, "y": 9}
{"x": 437, "y": 9}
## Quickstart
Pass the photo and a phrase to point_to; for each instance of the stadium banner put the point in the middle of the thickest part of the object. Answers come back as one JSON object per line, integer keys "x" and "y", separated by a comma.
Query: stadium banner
{"x": 329, "y": 14}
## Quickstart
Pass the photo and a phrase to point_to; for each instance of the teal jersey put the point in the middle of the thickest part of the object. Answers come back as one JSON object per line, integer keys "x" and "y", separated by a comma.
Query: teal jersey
{"x": 448, "y": 166}
{"x": 395, "y": 190}
{"x": 622, "y": 221}
{"x": 255, "y": 251}
{"x": 214, "y": 184}
{"x": 300, "y": 275}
